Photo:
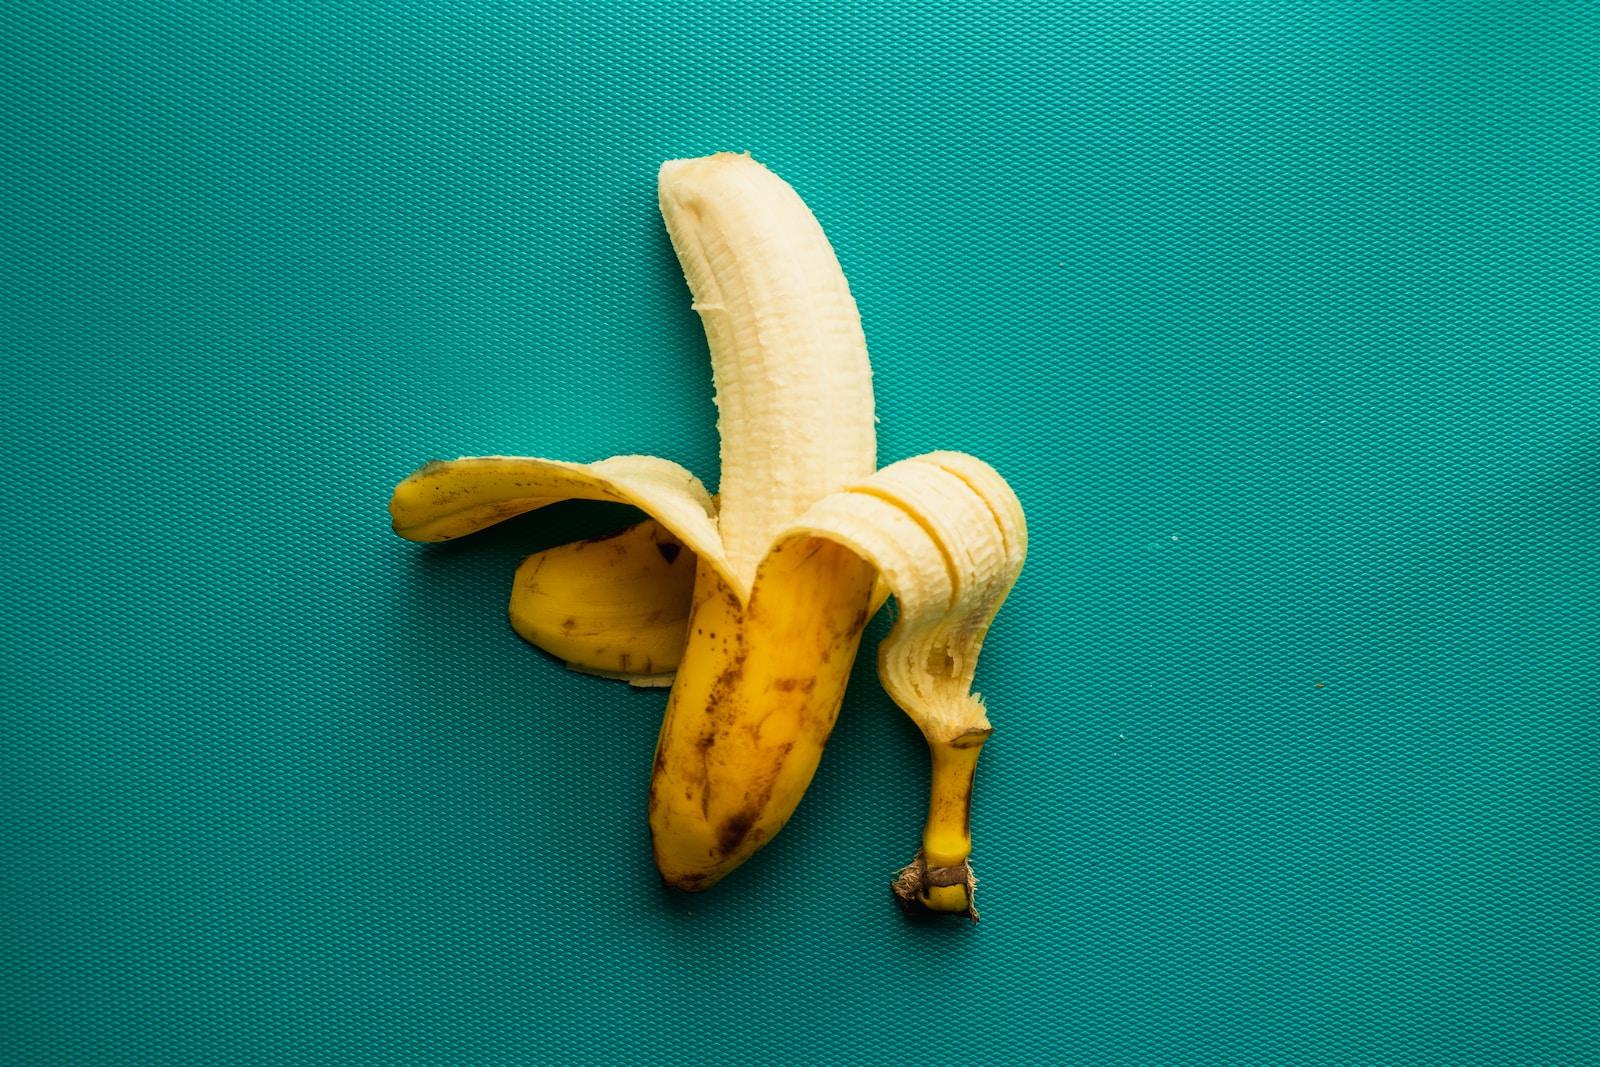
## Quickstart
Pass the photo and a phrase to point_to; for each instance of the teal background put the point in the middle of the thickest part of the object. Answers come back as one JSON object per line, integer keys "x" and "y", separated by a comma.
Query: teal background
{"x": 1281, "y": 318}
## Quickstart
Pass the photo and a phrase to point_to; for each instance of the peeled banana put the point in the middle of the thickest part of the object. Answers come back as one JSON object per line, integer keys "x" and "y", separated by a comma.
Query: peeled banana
{"x": 753, "y": 604}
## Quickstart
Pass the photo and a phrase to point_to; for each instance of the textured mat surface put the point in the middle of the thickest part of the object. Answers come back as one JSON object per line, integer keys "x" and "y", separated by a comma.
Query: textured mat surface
{"x": 1281, "y": 317}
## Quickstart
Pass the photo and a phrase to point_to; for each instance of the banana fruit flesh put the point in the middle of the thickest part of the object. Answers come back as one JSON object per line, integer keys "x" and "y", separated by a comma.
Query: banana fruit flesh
{"x": 788, "y": 358}
{"x": 753, "y": 604}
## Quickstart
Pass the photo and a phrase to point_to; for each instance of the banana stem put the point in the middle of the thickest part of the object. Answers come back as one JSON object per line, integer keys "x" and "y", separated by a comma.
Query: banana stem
{"x": 940, "y": 878}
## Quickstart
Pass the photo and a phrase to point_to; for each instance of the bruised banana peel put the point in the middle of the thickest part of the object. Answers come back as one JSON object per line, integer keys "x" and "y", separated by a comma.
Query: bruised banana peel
{"x": 790, "y": 561}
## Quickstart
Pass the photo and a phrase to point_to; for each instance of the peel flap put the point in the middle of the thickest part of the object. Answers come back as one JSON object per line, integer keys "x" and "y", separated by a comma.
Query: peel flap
{"x": 948, "y": 537}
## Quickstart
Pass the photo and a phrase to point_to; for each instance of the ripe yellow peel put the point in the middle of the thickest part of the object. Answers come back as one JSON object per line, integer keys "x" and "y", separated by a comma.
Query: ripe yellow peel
{"x": 755, "y": 699}
{"x": 949, "y": 546}
{"x": 448, "y": 499}
{"x": 614, "y": 606}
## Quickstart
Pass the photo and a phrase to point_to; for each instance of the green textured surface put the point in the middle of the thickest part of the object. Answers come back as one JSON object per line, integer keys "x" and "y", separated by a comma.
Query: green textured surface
{"x": 1280, "y": 317}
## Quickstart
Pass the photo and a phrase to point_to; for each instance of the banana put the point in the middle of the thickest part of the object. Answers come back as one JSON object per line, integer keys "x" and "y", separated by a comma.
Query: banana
{"x": 789, "y": 562}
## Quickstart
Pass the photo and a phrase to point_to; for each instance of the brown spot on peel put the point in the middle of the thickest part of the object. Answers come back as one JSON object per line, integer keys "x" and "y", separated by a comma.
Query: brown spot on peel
{"x": 733, "y": 831}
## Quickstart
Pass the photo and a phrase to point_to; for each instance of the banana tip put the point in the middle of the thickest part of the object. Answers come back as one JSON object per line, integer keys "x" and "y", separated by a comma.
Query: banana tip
{"x": 922, "y": 891}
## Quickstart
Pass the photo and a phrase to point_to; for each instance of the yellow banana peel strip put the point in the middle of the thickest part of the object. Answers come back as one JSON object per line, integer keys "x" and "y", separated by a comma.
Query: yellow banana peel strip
{"x": 615, "y": 606}
{"x": 446, "y": 499}
{"x": 948, "y": 537}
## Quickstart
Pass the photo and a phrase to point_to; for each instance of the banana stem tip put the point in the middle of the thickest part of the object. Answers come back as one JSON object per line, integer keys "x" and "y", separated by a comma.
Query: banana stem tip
{"x": 921, "y": 890}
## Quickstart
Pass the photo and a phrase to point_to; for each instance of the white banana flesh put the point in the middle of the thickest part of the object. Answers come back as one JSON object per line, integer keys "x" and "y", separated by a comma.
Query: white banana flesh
{"x": 788, "y": 357}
